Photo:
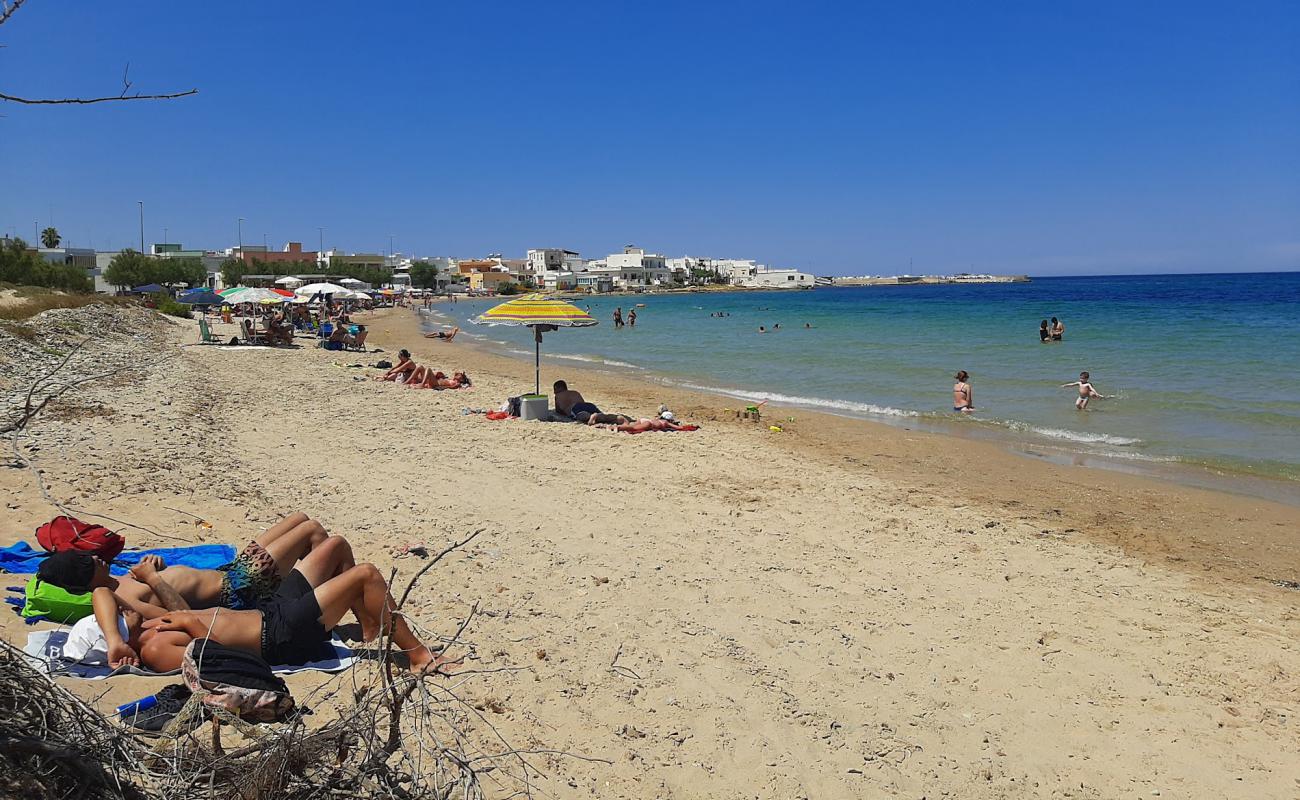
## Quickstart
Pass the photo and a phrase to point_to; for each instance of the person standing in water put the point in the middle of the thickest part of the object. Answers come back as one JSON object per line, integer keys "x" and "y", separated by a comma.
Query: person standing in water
{"x": 631, "y": 317}
{"x": 963, "y": 399}
{"x": 1044, "y": 332}
{"x": 618, "y": 317}
{"x": 1058, "y": 330}
{"x": 1086, "y": 391}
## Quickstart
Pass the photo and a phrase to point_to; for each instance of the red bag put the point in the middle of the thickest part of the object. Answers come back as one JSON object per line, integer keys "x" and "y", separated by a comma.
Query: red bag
{"x": 69, "y": 533}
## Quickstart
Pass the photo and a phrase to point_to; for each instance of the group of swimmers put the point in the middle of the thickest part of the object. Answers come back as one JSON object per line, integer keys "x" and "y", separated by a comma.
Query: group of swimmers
{"x": 279, "y": 600}
{"x": 1053, "y": 332}
{"x": 419, "y": 376}
{"x": 963, "y": 397}
{"x": 618, "y": 317}
{"x": 777, "y": 327}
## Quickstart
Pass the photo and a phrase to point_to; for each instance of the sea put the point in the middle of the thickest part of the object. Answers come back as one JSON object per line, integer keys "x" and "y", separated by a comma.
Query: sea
{"x": 1205, "y": 369}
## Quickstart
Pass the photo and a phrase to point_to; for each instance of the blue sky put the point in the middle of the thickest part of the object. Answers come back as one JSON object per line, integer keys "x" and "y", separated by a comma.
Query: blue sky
{"x": 843, "y": 138}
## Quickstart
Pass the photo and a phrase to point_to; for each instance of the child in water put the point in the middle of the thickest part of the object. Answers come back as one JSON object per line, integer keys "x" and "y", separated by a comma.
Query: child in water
{"x": 1086, "y": 392}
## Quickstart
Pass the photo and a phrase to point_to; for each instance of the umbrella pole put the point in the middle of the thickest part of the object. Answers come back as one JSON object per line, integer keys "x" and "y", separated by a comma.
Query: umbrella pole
{"x": 537, "y": 361}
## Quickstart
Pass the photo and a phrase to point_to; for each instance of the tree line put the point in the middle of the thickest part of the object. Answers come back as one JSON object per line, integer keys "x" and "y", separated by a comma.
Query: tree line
{"x": 18, "y": 264}
{"x": 132, "y": 268}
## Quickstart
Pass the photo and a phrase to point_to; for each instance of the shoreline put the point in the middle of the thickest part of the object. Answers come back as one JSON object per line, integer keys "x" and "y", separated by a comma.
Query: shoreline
{"x": 1036, "y": 448}
{"x": 977, "y": 470}
{"x": 837, "y": 610}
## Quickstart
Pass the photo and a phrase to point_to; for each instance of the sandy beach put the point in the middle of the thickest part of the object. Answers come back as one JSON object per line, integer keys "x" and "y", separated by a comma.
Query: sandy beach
{"x": 841, "y": 609}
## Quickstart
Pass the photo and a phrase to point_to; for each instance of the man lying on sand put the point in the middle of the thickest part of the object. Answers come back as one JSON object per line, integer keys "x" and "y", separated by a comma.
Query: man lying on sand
{"x": 246, "y": 582}
{"x": 570, "y": 403}
{"x": 292, "y": 627}
{"x": 445, "y": 336}
{"x": 428, "y": 378}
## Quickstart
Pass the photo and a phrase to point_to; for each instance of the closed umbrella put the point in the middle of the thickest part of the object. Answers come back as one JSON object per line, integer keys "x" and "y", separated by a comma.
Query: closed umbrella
{"x": 541, "y": 313}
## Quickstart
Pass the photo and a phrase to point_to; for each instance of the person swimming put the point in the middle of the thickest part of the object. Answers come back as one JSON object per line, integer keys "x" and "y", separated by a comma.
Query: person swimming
{"x": 962, "y": 396}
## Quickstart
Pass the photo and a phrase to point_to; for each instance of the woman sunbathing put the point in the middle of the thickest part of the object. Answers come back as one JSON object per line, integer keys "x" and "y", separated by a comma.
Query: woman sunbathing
{"x": 429, "y": 378}
{"x": 402, "y": 371}
{"x": 645, "y": 424}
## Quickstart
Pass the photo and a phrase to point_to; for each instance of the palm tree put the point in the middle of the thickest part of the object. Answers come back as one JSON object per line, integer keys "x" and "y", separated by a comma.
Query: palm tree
{"x": 50, "y": 237}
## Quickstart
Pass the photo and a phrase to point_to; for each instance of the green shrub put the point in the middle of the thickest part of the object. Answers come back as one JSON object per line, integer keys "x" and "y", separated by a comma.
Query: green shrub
{"x": 170, "y": 307}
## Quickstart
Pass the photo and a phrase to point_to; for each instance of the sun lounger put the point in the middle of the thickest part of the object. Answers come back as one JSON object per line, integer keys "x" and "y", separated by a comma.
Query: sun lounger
{"x": 206, "y": 336}
{"x": 359, "y": 341}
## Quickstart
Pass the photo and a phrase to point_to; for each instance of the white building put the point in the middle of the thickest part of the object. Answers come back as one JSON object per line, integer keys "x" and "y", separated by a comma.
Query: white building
{"x": 778, "y": 279}
{"x": 548, "y": 259}
{"x": 634, "y": 268}
{"x": 558, "y": 281}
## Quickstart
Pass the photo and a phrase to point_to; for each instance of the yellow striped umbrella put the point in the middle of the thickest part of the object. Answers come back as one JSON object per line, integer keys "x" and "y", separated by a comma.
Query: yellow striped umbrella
{"x": 542, "y": 314}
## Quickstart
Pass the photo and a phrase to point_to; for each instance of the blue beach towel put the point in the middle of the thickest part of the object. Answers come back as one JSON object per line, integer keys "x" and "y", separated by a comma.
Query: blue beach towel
{"x": 24, "y": 559}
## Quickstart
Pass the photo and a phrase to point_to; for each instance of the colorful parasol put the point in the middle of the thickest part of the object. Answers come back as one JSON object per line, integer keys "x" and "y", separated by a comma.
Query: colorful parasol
{"x": 541, "y": 313}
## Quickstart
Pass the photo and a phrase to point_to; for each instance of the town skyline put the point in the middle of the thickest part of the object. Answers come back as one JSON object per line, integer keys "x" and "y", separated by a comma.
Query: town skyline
{"x": 836, "y": 140}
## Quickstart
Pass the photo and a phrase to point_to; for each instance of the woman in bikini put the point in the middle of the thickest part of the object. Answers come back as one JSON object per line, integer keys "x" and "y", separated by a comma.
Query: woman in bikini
{"x": 962, "y": 396}
{"x": 403, "y": 369}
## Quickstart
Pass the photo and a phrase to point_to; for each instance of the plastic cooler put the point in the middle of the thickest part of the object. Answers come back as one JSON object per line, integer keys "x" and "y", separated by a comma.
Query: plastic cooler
{"x": 534, "y": 406}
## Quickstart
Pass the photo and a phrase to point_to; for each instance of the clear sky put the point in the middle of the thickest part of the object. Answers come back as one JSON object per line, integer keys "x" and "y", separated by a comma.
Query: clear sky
{"x": 842, "y": 138}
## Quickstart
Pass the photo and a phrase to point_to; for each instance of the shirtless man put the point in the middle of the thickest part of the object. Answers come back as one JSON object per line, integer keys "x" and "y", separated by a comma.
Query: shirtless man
{"x": 246, "y": 582}
{"x": 331, "y": 558}
{"x": 1086, "y": 392}
{"x": 293, "y": 626}
{"x": 963, "y": 399}
{"x": 445, "y": 336}
{"x": 566, "y": 398}
{"x": 1058, "y": 330}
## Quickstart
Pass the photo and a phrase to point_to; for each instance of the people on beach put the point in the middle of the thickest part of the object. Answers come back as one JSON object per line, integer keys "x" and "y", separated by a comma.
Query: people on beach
{"x": 646, "y": 424}
{"x": 423, "y": 377}
{"x": 1044, "y": 332}
{"x": 293, "y": 625}
{"x": 1058, "y": 330}
{"x": 963, "y": 399}
{"x": 1086, "y": 391}
{"x": 618, "y": 317}
{"x": 245, "y": 582}
{"x": 445, "y": 336}
{"x": 631, "y": 317}
{"x": 570, "y": 402}
{"x": 401, "y": 370}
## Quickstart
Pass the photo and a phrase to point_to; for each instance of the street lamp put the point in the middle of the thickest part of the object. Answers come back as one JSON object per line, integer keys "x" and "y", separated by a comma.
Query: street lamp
{"x": 164, "y": 237}
{"x": 141, "y": 202}
{"x": 320, "y": 252}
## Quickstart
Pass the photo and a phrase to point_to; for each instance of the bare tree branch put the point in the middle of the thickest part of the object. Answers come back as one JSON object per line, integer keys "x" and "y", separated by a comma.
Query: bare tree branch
{"x": 82, "y": 101}
{"x": 7, "y": 9}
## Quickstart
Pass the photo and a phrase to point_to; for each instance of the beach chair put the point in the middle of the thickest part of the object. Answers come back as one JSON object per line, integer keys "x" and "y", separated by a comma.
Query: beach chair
{"x": 251, "y": 336}
{"x": 359, "y": 342}
{"x": 206, "y": 336}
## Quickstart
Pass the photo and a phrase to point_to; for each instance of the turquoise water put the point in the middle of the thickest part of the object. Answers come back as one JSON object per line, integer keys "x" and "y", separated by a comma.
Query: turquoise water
{"x": 1204, "y": 366}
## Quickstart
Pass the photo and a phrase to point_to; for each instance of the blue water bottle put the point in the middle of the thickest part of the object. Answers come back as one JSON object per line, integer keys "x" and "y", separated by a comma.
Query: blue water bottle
{"x": 133, "y": 708}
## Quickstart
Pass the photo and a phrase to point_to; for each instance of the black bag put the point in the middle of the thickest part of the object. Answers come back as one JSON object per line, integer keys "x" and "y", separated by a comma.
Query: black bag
{"x": 514, "y": 406}
{"x": 236, "y": 681}
{"x": 385, "y": 364}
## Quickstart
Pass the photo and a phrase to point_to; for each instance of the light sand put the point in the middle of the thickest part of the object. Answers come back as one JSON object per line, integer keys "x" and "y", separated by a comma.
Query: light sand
{"x": 839, "y": 610}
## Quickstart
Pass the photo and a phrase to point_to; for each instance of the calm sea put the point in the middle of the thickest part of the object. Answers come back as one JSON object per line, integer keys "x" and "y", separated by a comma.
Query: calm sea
{"x": 1205, "y": 366}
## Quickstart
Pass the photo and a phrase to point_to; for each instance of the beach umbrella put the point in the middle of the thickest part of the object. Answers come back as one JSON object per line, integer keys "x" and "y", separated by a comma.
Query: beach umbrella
{"x": 350, "y": 282}
{"x": 312, "y": 289}
{"x": 283, "y": 292}
{"x": 244, "y": 294}
{"x": 201, "y": 297}
{"x": 271, "y": 301}
{"x": 288, "y": 280}
{"x": 149, "y": 288}
{"x": 541, "y": 313}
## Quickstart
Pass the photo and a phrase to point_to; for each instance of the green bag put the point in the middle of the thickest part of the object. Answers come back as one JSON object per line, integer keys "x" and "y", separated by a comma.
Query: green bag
{"x": 60, "y": 605}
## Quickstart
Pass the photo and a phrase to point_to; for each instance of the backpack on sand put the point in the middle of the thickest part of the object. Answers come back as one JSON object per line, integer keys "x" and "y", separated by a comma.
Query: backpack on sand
{"x": 70, "y": 533}
{"x": 235, "y": 681}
